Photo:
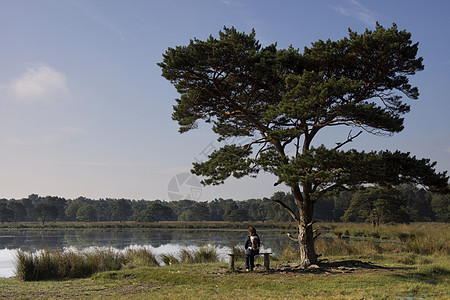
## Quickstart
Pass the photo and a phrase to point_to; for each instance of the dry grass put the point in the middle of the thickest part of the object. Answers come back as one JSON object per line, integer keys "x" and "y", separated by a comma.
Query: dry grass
{"x": 56, "y": 264}
{"x": 203, "y": 255}
{"x": 353, "y": 239}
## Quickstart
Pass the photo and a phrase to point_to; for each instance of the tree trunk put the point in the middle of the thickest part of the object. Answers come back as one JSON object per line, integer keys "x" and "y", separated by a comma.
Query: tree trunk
{"x": 305, "y": 229}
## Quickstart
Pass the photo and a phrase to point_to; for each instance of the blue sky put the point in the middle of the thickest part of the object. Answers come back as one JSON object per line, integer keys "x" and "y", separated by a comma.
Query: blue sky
{"x": 84, "y": 110}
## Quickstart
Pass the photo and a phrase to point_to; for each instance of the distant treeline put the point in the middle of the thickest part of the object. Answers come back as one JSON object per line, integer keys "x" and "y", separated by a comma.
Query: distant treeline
{"x": 411, "y": 204}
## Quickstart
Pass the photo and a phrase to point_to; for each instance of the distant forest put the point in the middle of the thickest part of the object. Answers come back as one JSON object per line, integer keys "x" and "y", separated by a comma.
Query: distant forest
{"x": 404, "y": 204}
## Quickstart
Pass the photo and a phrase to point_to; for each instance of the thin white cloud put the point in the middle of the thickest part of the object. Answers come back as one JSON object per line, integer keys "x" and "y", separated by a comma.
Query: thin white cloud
{"x": 366, "y": 17}
{"x": 108, "y": 164}
{"x": 38, "y": 83}
{"x": 61, "y": 133}
{"x": 342, "y": 11}
{"x": 231, "y": 3}
{"x": 21, "y": 141}
{"x": 123, "y": 36}
{"x": 87, "y": 10}
{"x": 356, "y": 10}
{"x": 70, "y": 130}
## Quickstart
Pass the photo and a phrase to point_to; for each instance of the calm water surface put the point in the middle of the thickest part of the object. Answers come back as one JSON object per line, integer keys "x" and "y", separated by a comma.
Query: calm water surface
{"x": 160, "y": 241}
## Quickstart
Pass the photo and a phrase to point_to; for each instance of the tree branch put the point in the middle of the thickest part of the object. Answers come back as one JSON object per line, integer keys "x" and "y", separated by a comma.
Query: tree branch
{"x": 310, "y": 224}
{"x": 260, "y": 150}
{"x": 350, "y": 138}
{"x": 292, "y": 238}
{"x": 330, "y": 188}
{"x": 246, "y": 114}
{"x": 258, "y": 141}
{"x": 290, "y": 211}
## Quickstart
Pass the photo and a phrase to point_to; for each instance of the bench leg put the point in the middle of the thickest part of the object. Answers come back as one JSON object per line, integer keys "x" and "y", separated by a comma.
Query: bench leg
{"x": 231, "y": 262}
{"x": 267, "y": 261}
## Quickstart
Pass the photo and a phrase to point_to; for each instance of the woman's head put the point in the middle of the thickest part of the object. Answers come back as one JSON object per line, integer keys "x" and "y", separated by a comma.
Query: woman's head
{"x": 252, "y": 230}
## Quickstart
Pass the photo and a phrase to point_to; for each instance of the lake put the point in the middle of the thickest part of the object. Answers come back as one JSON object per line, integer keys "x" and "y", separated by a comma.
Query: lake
{"x": 160, "y": 241}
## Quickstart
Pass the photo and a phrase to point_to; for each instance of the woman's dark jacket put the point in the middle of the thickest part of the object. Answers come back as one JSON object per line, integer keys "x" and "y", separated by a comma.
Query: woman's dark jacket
{"x": 248, "y": 245}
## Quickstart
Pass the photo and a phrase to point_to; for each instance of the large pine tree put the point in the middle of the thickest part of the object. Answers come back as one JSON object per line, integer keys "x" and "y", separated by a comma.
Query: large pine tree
{"x": 278, "y": 100}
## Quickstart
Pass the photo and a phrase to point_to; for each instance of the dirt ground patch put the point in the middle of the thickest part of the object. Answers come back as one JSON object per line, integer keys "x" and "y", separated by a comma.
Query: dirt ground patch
{"x": 336, "y": 267}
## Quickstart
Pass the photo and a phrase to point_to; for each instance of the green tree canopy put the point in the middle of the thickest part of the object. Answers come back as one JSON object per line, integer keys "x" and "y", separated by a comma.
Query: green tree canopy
{"x": 72, "y": 209}
{"x": 270, "y": 104}
{"x": 161, "y": 212}
{"x": 377, "y": 205}
{"x": 201, "y": 211}
{"x": 5, "y": 213}
{"x": 120, "y": 210}
{"x": 18, "y": 210}
{"x": 441, "y": 207}
{"x": 45, "y": 212}
{"x": 87, "y": 213}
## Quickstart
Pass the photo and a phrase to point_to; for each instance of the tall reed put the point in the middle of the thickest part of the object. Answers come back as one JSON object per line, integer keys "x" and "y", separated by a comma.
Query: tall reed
{"x": 202, "y": 255}
{"x": 206, "y": 254}
{"x": 135, "y": 257}
{"x": 238, "y": 252}
{"x": 78, "y": 264}
{"x": 289, "y": 253}
{"x": 169, "y": 259}
{"x": 428, "y": 244}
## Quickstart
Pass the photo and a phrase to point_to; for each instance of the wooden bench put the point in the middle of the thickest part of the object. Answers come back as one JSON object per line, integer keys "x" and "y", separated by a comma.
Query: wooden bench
{"x": 266, "y": 260}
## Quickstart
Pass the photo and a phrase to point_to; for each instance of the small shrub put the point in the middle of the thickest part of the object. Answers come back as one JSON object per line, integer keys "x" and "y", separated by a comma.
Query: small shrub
{"x": 340, "y": 247}
{"x": 139, "y": 257}
{"x": 66, "y": 264}
{"x": 47, "y": 267}
{"x": 337, "y": 247}
{"x": 238, "y": 252}
{"x": 76, "y": 265}
{"x": 375, "y": 234}
{"x": 289, "y": 253}
{"x": 392, "y": 248}
{"x": 403, "y": 237}
{"x": 169, "y": 259}
{"x": 25, "y": 268}
{"x": 206, "y": 254}
{"x": 428, "y": 245}
{"x": 338, "y": 233}
{"x": 425, "y": 261}
{"x": 202, "y": 255}
{"x": 408, "y": 259}
{"x": 186, "y": 256}
{"x": 371, "y": 247}
{"x": 359, "y": 233}
{"x": 104, "y": 259}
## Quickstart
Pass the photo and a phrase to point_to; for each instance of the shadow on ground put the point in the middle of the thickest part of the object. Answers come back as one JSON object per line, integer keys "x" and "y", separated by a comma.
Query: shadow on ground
{"x": 324, "y": 267}
{"x": 344, "y": 266}
{"x": 431, "y": 275}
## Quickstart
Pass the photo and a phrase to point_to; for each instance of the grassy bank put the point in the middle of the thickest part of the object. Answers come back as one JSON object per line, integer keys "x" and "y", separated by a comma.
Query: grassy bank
{"x": 342, "y": 278}
{"x": 384, "y": 231}
{"x": 148, "y": 225}
{"x": 58, "y": 264}
{"x": 406, "y": 261}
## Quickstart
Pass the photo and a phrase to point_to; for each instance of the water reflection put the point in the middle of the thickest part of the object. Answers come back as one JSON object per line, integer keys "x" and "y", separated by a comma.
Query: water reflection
{"x": 159, "y": 240}
{"x": 6, "y": 263}
{"x": 59, "y": 239}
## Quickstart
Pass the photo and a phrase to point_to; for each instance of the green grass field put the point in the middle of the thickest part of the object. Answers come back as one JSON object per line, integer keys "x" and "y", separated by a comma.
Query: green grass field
{"x": 345, "y": 278}
{"x": 415, "y": 266}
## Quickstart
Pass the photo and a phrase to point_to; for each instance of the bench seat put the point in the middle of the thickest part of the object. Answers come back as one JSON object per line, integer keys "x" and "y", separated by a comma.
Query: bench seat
{"x": 266, "y": 260}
